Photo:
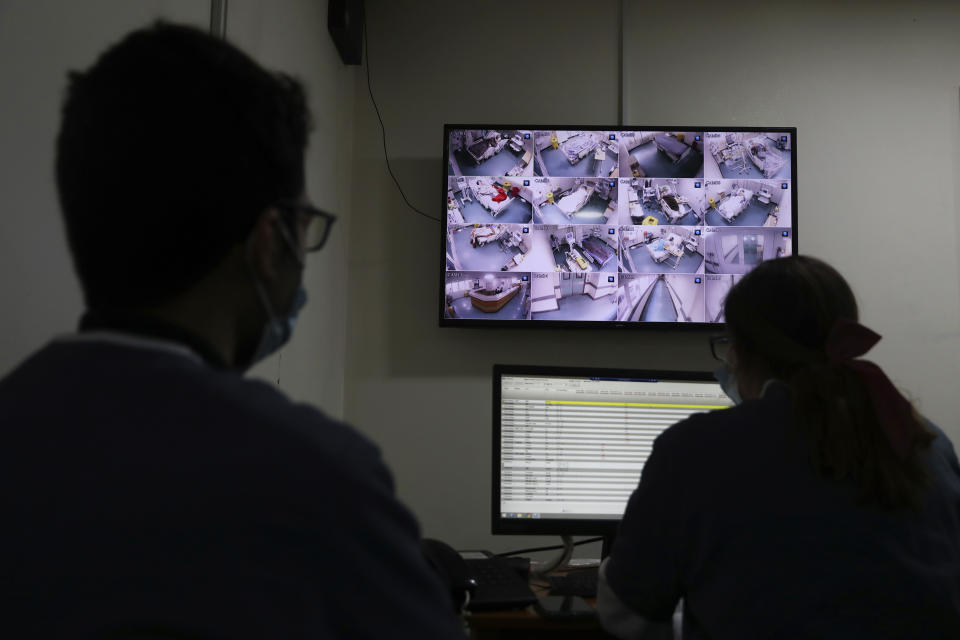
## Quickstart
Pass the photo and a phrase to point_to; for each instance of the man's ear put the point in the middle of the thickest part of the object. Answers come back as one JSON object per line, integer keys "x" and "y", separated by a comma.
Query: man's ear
{"x": 262, "y": 244}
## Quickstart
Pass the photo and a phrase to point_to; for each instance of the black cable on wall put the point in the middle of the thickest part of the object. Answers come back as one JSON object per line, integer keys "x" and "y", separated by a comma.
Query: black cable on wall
{"x": 383, "y": 131}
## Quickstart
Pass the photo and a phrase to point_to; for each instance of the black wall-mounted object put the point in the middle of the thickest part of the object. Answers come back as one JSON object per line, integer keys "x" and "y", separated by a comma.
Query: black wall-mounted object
{"x": 345, "y": 24}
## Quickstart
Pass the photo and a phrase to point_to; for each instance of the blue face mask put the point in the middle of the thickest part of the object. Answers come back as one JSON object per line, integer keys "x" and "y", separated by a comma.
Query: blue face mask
{"x": 728, "y": 382}
{"x": 278, "y": 330}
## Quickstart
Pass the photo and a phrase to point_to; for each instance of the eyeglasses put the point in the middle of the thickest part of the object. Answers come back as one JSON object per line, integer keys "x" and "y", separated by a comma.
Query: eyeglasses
{"x": 318, "y": 229}
{"x": 720, "y": 347}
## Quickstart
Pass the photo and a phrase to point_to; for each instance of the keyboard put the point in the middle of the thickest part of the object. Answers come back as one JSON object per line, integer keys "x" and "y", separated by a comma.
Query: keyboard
{"x": 500, "y": 585}
{"x": 578, "y": 582}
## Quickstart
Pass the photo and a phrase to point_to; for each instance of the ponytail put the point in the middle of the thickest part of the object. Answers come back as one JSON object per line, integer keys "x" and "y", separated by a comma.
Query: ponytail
{"x": 837, "y": 418}
{"x": 859, "y": 429}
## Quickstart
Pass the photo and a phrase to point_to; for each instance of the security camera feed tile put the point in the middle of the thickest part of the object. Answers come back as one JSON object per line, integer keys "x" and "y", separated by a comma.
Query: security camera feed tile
{"x": 601, "y": 226}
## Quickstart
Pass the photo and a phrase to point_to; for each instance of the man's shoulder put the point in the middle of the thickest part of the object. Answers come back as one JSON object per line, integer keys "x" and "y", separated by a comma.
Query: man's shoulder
{"x": 182, "y": 394}
{"x": 261, "y": 404}
{"x": 261, "y": 412}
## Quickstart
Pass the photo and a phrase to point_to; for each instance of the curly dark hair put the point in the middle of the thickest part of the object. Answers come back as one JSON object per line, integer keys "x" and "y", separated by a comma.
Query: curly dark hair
{"x": 171, "y": 145}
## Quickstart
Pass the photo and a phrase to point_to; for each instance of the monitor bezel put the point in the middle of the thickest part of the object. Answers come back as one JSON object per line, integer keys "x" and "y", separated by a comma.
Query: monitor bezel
{"x": 555, "y": 526}
{"x": 583, "y": 324}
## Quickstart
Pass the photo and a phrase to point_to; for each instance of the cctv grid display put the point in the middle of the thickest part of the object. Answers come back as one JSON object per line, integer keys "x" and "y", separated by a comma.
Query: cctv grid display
{"x": 624, "y": 226}
{"x": 573, "y": 447}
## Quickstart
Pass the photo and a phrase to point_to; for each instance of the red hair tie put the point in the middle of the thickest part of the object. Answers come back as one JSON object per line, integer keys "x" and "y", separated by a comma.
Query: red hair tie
{"x": 848, "y": 340}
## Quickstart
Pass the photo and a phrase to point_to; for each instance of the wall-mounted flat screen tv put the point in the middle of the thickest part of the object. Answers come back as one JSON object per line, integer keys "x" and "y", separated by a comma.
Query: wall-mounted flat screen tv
{"x": 609, "y": 226}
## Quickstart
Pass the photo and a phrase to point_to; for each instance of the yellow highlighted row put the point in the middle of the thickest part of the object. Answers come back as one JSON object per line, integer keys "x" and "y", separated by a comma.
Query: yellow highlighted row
{"x": 640, "y": 404}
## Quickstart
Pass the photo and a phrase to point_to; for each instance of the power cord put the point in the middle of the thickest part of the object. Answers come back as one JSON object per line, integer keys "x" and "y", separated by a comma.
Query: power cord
{"x": 383, "y": 130}
{"x": 559, "y": 561}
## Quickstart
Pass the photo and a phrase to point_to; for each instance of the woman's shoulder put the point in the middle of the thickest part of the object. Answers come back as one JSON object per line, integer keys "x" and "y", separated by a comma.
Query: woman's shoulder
{"x": 941, "y": 455}
{"x": 942, "y": 442}
{"x": 745, "y": 417}
{"x": 738, "y": 433}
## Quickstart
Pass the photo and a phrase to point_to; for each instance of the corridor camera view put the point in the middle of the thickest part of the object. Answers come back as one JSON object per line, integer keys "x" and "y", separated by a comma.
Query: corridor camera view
{"x": 748, "y": 203}
{"x": 648, "y": 201}
{"x": 742, "y": 154}
{"x": 737, "y": 251}
{"x": 660, "y": 298}
{"x": 661, "y": 154}
{"x": 574, "y": 296}
{"x": 717, "y": 289}
{"x": 486, "y": 199}
{"x": 574, "y": 200}
{"x": 491, "y": 296}
{"x": 621, "y": 226}
{"x": 576, "y": 153}
{"x": 659, "y": 249}
{"x": 482, "y": 152}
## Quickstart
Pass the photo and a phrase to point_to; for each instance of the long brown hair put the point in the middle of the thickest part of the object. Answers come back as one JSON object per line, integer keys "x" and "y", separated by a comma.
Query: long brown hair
{"x": 779, "y": 317}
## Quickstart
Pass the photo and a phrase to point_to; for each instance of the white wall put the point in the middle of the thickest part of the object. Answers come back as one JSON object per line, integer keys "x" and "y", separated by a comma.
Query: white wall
{"x": 39, "y": 42}
{"x": 291, "y": 36}
{"x": 872, "y": 88}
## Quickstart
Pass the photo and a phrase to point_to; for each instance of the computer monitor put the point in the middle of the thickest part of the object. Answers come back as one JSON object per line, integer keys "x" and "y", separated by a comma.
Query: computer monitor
{"x": 569, "y": 443}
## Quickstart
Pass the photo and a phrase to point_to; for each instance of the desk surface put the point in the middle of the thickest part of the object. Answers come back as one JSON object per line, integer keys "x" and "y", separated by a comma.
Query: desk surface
{"x": 526, "y": 624}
